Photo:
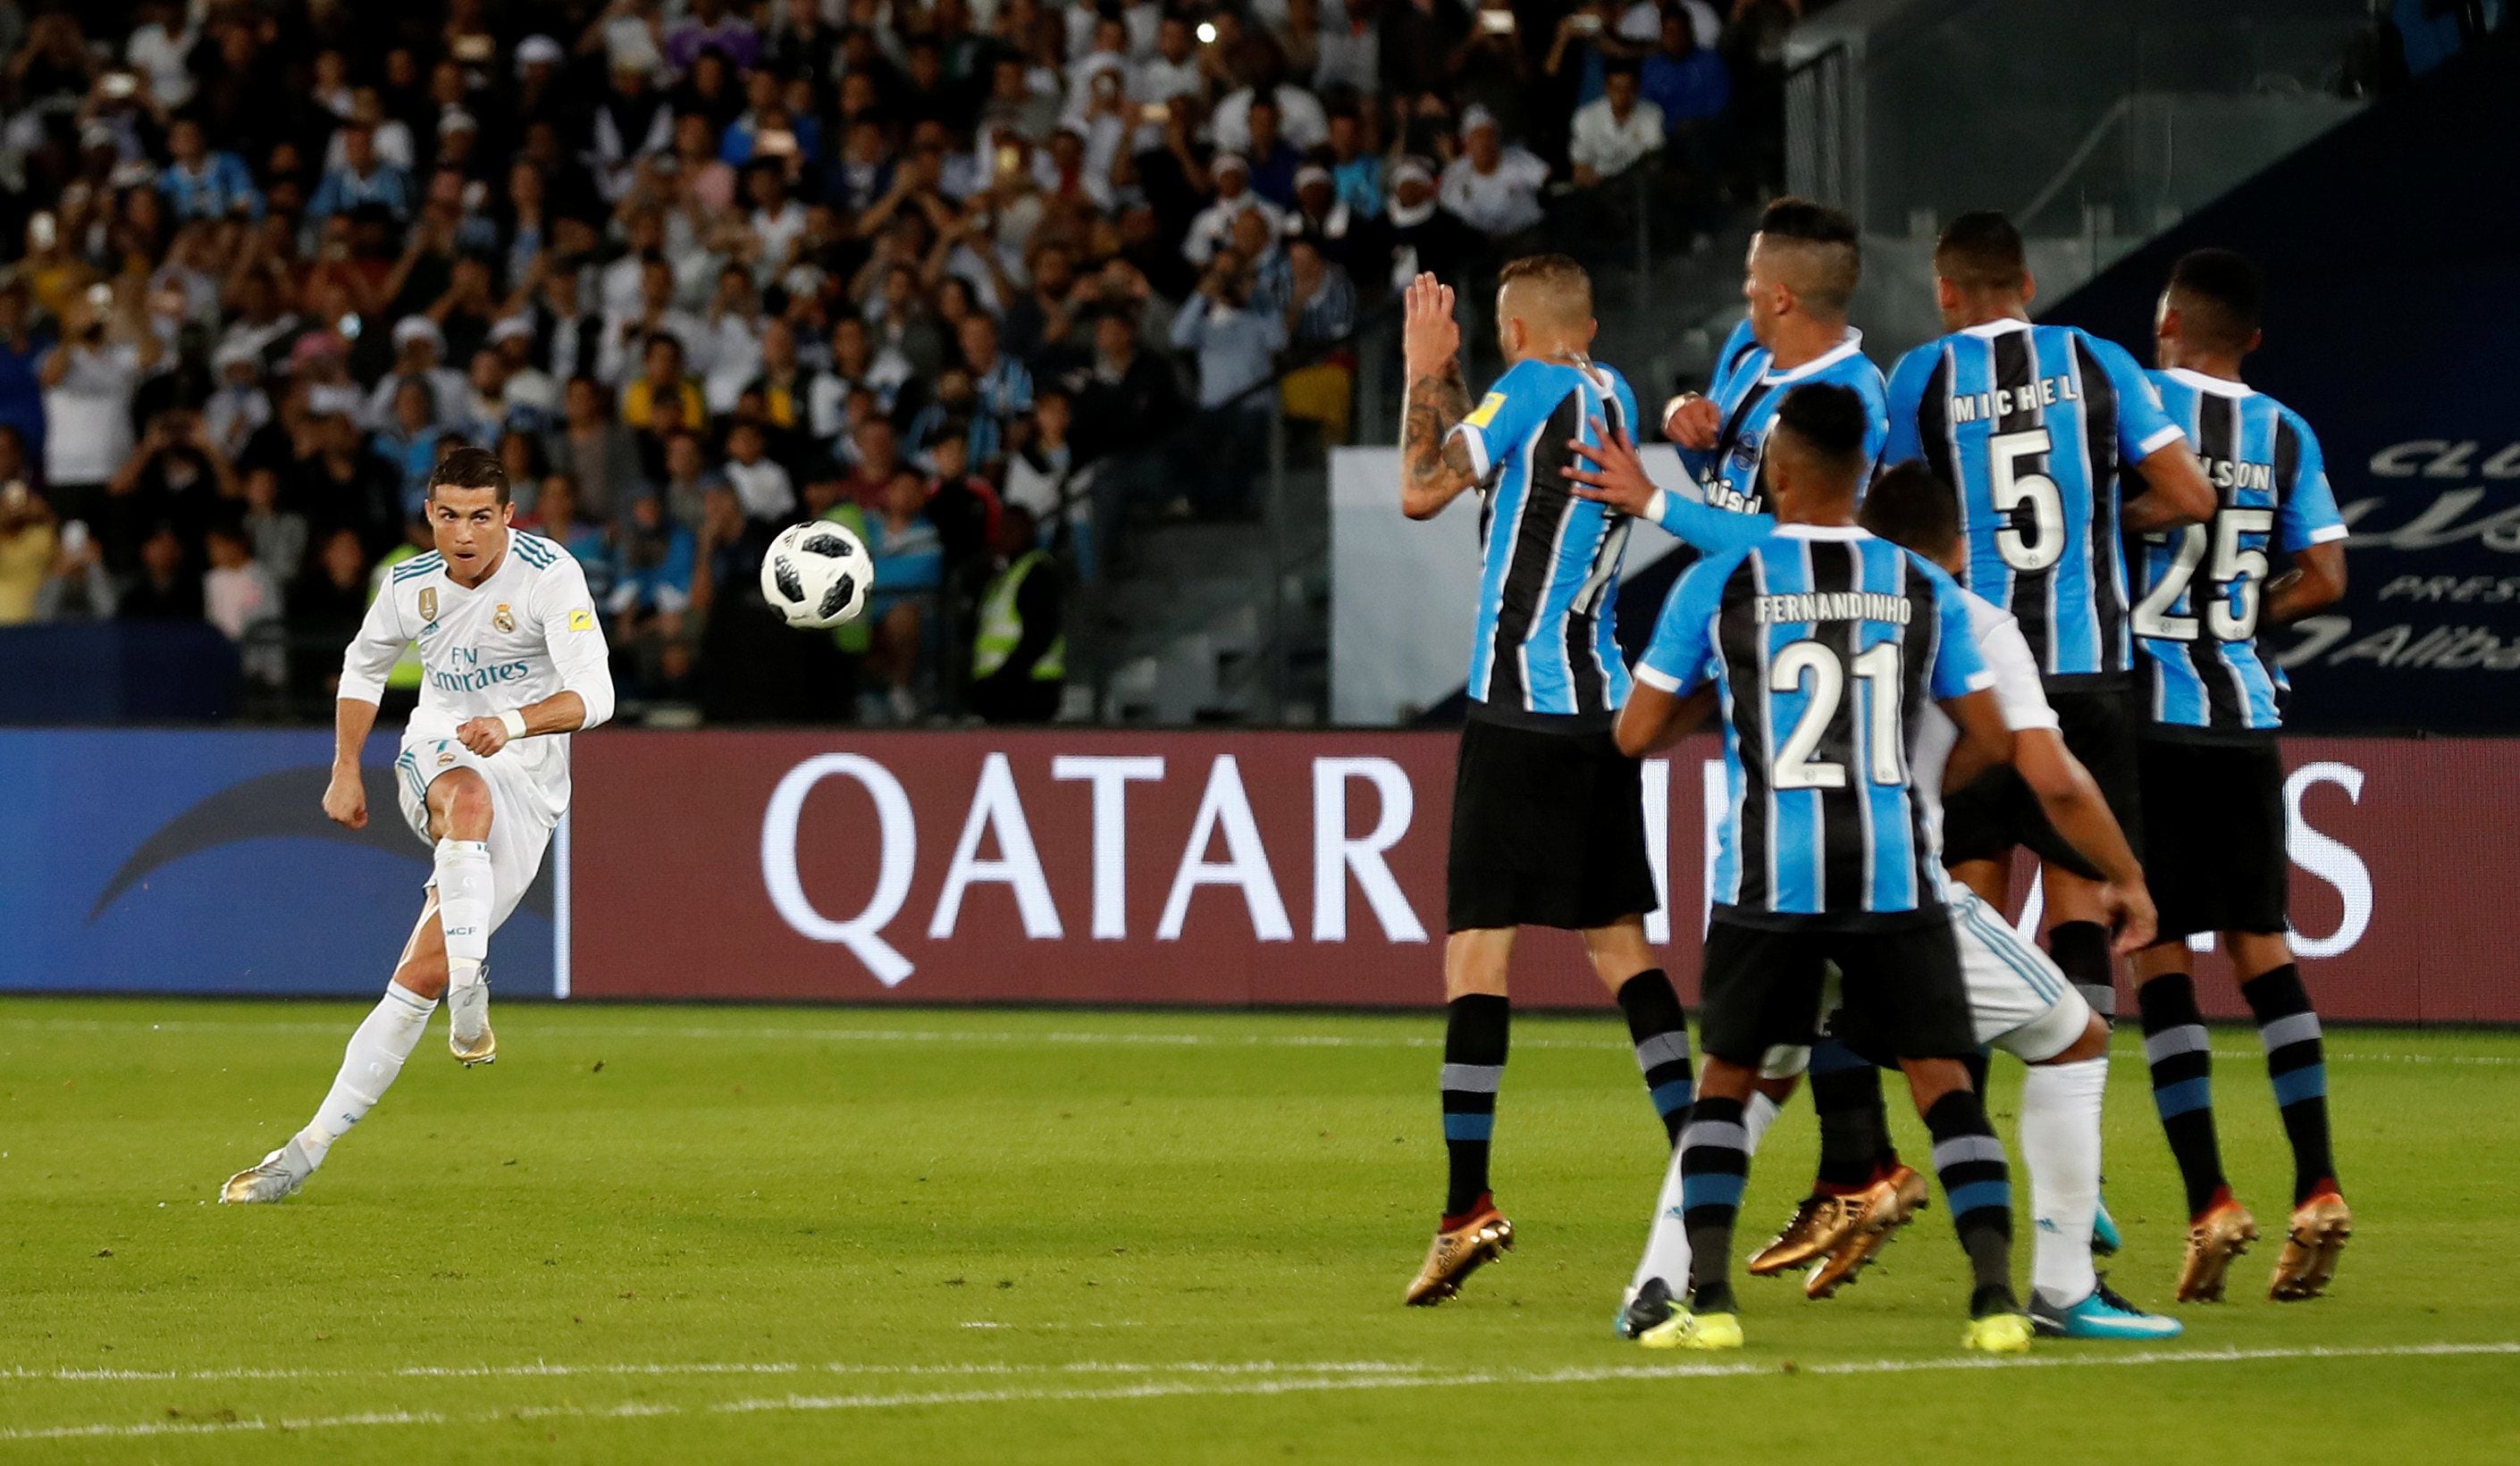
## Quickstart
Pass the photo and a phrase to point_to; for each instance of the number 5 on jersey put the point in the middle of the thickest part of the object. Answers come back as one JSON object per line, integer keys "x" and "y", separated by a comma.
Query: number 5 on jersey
{"x": 2020, "y": 494}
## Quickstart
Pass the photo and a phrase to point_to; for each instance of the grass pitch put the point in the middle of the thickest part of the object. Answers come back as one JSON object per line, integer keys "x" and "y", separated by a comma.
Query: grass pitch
{"x": 672, "y": 1234}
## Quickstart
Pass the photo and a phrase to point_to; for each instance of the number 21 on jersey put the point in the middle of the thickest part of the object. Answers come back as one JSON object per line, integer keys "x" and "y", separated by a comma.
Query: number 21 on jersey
{"x": 1816, "y": 670}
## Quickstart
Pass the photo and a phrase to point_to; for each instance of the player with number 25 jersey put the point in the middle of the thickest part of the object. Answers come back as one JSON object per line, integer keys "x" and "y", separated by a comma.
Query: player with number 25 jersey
{"x": 2213, "y": 782}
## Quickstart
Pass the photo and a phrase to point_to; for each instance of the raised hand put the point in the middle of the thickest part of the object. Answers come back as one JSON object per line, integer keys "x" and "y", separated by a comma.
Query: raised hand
{"x": 1430, "y": 337}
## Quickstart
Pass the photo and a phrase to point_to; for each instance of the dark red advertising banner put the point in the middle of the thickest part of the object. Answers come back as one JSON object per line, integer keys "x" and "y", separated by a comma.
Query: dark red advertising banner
{"x": 1308, "y": 868}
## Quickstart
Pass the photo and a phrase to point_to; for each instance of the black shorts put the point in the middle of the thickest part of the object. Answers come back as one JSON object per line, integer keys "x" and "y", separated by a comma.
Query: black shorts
{"x": 2217, "y": 816}
{"x": 1549, "y": 829}
{"x": 1901, "y": 989}
{"x": 1997, "y": 812}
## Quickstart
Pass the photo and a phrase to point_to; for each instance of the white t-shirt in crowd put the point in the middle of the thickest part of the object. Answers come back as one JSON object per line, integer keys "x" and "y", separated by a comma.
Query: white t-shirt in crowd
{"x": 88, "y": 416}
{"x": 1504, "y": 201}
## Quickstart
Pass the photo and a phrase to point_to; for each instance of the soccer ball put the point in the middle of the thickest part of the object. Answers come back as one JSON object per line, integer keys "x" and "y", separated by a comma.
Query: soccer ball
{"x": 817, "y": 574}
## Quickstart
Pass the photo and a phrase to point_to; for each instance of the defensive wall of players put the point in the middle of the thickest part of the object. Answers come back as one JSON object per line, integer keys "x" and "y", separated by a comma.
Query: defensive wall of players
{"x": 1083, "y": 866}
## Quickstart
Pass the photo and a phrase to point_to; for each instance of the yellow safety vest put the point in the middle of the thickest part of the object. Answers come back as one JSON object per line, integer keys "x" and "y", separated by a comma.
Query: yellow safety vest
{"x": 856, "y": 636}
{"x": 1001, "y": 628}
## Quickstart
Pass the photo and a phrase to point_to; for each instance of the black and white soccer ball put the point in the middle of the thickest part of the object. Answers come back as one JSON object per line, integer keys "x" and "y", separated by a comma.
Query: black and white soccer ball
{"x": 817, "y": 575}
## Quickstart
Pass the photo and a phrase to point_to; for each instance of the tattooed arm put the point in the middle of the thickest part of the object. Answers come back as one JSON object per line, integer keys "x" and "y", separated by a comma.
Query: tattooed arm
{"x": 1435, "y": 465}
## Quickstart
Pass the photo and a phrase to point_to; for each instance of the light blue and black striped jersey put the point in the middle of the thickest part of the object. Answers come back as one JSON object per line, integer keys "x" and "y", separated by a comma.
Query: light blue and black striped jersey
{"x": 2036, "y": 427}
{"x": 1824, "y": 646}
{"x": 2199, "y": 588}
{"x": 1747, "y": 389}
{"x": 1741, "y": 349}
{"x": 1547, "y": 654}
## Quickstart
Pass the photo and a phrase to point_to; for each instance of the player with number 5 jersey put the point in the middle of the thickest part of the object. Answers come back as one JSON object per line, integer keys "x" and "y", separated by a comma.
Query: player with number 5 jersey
{"x": 2039, "y": 429}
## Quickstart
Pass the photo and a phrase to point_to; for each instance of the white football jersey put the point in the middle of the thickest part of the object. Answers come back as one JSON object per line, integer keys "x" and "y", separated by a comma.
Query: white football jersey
{"x": 2017, "y": 692}
{"x": 527, "y": 633}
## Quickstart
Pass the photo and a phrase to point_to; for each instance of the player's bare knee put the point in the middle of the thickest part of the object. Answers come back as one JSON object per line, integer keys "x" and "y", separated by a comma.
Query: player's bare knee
{"x": 2093, "y": 1043}
{"x": 1726, "y": 1079}
{"x": 1476, "y": 961}
{"x": 1929, "y": 1080}
{"x": 1618, "y": 951}
{"x": 460, "y": 806}
{"x": 423, "y": 975}
{"x": 2256, "y": 953}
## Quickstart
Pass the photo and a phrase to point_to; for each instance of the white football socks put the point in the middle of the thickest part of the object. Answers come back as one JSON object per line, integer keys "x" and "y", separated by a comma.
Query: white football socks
{"x": 2061, "y": 1142}
{"x": 1756, "y": 1116}
{"x": 464, "y": 905}
{"x": 382, "y": 1040}
{"x": 1667, "y": 1242}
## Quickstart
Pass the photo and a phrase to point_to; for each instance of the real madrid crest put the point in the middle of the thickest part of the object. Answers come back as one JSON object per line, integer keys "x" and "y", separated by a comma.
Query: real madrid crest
{"x": 504, "y": 618}
{"x": 428, "y": 602}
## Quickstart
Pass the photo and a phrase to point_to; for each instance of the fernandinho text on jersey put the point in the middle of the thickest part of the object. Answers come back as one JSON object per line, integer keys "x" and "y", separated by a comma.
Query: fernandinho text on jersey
{"x": 1833, "y": 606}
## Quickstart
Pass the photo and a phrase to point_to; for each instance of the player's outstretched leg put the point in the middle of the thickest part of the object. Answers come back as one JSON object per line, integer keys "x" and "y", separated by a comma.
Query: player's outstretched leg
{"x": 1471, "y": 1232}
{"x": 459, "y": 805}
{"x": 2180, "y": 1053}
{"x": 2297, "y": 1063}
{"x": 382, "y": 1040}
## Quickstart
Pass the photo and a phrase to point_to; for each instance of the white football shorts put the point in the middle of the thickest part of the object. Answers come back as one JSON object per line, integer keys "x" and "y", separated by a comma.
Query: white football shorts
{"x": 522, "y": 813}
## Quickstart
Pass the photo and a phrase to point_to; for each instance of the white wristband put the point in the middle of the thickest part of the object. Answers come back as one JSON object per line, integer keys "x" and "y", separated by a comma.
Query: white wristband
{"x": 513, "y": 722}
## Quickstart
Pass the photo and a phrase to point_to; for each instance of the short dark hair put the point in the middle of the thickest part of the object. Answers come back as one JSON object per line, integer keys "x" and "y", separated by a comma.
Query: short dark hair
{"x": 1829, "y": 239}
{"x": 471, "y": 469}
{"x": 1911, "y": 505}
{"x": 1827, "y": 419}
{"x": 2221, "y": 298}
{"x": 1793, "y": 219}
{"x": 1981, "y": 252}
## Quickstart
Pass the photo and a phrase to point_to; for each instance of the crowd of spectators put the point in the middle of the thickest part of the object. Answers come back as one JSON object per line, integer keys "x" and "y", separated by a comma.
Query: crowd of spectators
{"x": 696, "y": 270}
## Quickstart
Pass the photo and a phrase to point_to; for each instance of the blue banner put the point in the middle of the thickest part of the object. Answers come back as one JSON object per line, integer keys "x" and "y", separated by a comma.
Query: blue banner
{"x": 2393, "y": 311}
{"x": 201, "y": 861}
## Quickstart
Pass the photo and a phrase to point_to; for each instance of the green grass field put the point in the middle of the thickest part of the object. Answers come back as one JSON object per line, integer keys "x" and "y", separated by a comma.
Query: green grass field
{"x": 667, "y": 1234}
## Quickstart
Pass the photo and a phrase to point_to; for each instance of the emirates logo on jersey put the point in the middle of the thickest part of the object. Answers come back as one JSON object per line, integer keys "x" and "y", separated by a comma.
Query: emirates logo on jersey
{"x": 428, "y": 602}
{"x": 504, "y": 618}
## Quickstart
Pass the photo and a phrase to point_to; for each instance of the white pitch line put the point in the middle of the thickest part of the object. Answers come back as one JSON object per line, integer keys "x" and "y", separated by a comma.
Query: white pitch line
{"x": 541, "y": 1369}
{"x": 1299, "y": 1379}
{"x": 2335, "y": 1053}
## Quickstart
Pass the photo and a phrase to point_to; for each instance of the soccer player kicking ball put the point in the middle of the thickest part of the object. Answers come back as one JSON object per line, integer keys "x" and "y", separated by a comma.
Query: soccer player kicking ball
{"x": 1548, "y": 814}
{"x": 515, "y": 662}
{"x": 2213, "y": 785}
{"x": 1820, "y": 646}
